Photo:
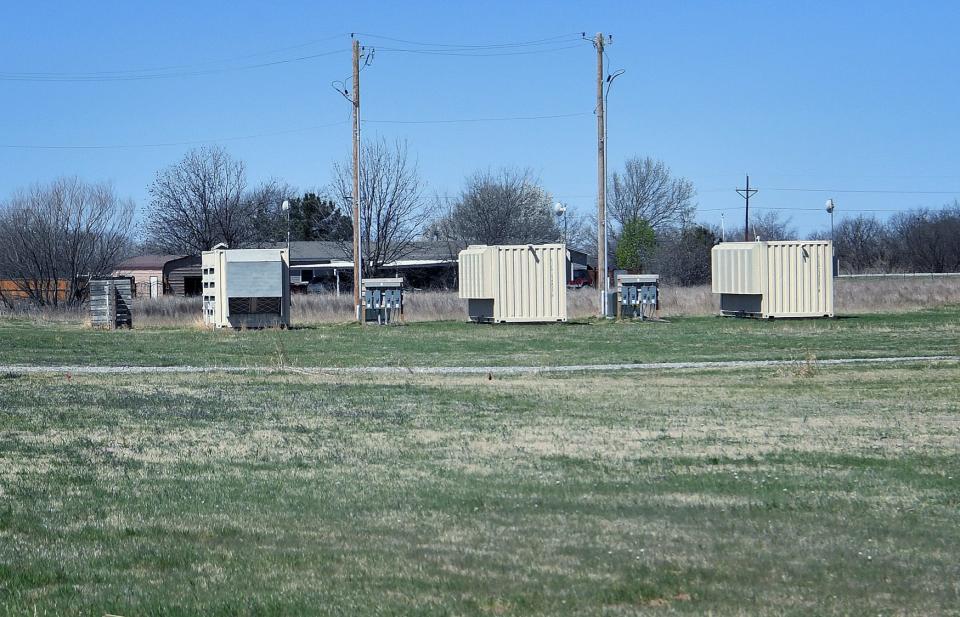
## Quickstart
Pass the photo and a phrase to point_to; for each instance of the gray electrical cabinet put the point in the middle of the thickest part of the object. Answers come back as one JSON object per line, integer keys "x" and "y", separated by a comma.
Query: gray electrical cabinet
{"x": 383, "y": 300}
{"x": 638, "y": 295}
{"x": 246, "y": 288}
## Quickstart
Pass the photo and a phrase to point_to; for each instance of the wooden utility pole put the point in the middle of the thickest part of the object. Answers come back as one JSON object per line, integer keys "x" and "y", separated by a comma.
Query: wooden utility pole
{"x": 602, "y": 282}
{"x": 357, "y": 256}
{"x": 746, "y": 194}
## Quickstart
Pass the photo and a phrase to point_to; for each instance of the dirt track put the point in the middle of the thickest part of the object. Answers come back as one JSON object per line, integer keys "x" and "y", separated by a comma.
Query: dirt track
{"x": 464, "y": 370}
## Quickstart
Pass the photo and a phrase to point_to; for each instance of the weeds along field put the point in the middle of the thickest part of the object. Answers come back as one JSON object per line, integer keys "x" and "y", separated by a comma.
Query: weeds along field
{"x": 852, "y": 296}
{"x": 797, "y": 490}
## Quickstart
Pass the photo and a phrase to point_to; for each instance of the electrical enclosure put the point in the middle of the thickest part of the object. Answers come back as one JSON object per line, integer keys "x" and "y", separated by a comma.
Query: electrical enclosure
{"x": 638, "y": 295}
{"x": 787, "y": 278}
{"x": 246, "y": 288}
{"x": 514, "y": 283}
{"x": 383, "y": 299}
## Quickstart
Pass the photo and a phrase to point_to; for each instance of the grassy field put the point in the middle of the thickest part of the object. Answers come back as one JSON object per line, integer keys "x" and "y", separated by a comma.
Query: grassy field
{"x": 787, "y": 491}
{"x": 931, "y": 332}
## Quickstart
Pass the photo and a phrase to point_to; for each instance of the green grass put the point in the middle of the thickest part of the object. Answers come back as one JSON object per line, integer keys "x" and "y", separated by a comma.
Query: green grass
{"x": 452, "y": 343}
{"x": 789, "y": 491}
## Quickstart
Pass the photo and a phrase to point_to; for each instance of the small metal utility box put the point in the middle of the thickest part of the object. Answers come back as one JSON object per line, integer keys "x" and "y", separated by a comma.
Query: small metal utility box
{"x": 111, "y": 302}
{"x": 784, "y": 278}
{"x": 246, "y": 288}
{"x": 514, "y": 283}
{"x": 638, "y": 295}
{"x": 383, "y": 299}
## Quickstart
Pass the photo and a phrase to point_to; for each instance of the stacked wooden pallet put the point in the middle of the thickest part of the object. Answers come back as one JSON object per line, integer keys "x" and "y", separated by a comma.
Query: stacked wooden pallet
{"x": 111, "y": 303}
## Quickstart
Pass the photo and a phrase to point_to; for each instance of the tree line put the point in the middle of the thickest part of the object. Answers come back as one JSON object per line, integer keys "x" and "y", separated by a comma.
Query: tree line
{"x": 920, "y": 240}
{"x": 54, "y": 236}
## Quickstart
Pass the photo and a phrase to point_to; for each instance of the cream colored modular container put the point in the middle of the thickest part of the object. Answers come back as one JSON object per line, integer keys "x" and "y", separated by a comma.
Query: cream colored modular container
{"x": 246, "y": 288}
{"x": 774, "y": 279}
{"x": 518, "y": 283}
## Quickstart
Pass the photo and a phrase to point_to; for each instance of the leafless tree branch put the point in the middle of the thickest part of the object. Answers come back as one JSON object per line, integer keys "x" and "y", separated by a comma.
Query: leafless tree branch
{"x": 54, "y": 237}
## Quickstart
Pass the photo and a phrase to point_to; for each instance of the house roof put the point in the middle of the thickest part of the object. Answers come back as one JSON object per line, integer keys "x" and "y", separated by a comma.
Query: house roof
{"x": 420, "y": 251}
{"x": 320, "y": 251}
{"x": 147, "y": 262}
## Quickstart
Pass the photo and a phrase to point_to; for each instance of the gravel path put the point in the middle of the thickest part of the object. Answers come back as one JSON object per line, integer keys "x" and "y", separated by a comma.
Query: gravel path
{"x": 463, "y": 370}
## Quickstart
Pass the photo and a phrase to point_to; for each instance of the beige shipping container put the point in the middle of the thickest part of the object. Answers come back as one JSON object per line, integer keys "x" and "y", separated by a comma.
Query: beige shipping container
{"x": 788, "y": 278}
{"x": 246, "y": 288}
{"x": 514, "y": 283}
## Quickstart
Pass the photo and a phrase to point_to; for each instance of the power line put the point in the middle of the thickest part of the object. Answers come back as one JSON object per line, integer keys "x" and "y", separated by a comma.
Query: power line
{"x": 866, "y": 191}
{"x": 803, "y": 209}
{"x": 536, "y": 42}
{"x": 170, "y": 67}
{"x": 274, "y": 133}
{"x": 879, "y": 191}
{"x": 469, "y": 54}
{"x": 554, "y": 195}
{"x": 492, "y": 119}
{"x": 179, "y": 70}
{"x": 171, "y": 143}
{"x": 80, "y": 77}
{"x": 799, "y": 209}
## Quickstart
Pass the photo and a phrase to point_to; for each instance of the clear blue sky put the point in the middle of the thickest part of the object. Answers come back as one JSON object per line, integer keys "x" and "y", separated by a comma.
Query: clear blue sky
{"x": 831, "y": 95}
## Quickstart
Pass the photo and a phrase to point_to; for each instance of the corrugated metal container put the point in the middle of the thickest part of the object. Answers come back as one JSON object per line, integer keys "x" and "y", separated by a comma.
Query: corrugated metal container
{"x": 246, "y": 288}
{"x": 788, "y": 278}
{"x": 476, "y": 267}
{"x": 514, "y": 283}
{"x": 111, "y": 302}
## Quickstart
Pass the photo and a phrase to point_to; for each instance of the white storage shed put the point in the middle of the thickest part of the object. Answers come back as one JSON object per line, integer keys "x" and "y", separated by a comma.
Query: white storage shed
{"x": 514, "y": 283}
{"x": 784, "y": 278}
{"x": 246, "y": 288}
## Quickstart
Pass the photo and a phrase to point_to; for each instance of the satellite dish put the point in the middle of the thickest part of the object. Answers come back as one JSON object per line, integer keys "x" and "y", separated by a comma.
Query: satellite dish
{"x": 559, "y": 209}
{"x": 285, "y": 205}
{"x": 830, "y": 206}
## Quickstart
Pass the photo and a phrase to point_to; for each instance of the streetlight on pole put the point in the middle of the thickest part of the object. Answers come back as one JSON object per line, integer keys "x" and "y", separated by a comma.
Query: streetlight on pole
{"x": 285, "y": 206}
{"x": 830, "y": 207}
{"x": 560, "y": 209}
{"x": 605, "y": 296}
{"x": 836, "y": 258}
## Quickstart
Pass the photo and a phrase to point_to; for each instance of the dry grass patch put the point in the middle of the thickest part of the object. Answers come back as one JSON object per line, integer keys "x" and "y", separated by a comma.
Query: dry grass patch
{"x": 690, "y": 492}
{"x": 852, "y": 296}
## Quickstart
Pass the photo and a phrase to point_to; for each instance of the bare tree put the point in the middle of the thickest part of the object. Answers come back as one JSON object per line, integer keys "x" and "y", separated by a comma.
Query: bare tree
{"x": 647, "y": 190}
{"x": 683, "y": 256}
{"x": 927, "y": 240}
{"x": 310, "y": 217}
{"x": 771, "y": 225}
{"x": 268, "y": 221}
{"x": 199, "y": 202}
{"x": 579, "y": 232}
{"x": 53, "y": 237}
{"x": 861, "y": 243}
{"x": 392, "y": 207}
{"x": 509, "y": 207}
